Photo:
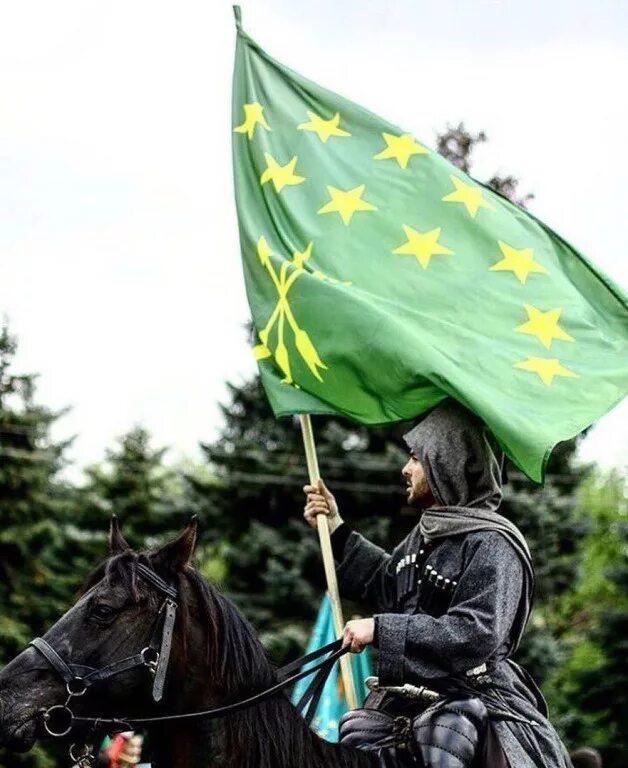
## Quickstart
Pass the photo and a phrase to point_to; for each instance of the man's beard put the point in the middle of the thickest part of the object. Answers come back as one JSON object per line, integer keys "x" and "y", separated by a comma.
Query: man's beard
{"x": 420, "y": 498}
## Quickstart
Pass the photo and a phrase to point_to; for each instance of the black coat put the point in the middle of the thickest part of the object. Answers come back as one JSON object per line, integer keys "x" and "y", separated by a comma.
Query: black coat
{"x": 427, "y": 635}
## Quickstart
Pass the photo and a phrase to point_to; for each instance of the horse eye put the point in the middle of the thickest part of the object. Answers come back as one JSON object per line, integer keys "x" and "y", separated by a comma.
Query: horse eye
{"x": 102, "y": 611}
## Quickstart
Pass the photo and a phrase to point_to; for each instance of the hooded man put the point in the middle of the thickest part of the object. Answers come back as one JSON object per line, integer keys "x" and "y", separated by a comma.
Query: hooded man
{"x": 450, "y": 605}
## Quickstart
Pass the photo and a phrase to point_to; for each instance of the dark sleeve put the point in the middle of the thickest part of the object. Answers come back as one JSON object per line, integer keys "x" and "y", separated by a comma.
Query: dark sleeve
{"x": 478, "y": 622}
{"x": 366, "y": 573}
{"x": 338, "y": 540}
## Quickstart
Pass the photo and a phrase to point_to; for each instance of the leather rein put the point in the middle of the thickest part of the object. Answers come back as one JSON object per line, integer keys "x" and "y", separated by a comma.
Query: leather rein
{"x": 59, "y": 719}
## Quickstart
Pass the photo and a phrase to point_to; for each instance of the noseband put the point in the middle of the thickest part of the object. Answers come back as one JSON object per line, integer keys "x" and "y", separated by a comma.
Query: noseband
{"x": 58, "y": 720}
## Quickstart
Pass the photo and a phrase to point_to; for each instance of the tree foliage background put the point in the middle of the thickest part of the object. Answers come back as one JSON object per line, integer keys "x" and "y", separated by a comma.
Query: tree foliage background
{"x": 248, "y": 495}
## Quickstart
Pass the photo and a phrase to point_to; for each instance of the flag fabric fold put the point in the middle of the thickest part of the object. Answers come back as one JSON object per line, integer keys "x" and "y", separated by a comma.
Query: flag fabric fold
{"x": 333, "y": 702}
{"x": 382, "y": 279}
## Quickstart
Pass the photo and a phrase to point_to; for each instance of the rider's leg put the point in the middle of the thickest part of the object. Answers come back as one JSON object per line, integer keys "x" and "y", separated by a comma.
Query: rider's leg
{"x": 449, "y": 735}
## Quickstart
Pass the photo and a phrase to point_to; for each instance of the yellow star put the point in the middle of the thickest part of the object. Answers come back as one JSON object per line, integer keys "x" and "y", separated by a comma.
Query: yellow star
{"x": 521, "y": 262}
{"x": 253, "y": 114}
{"x": 469, "y": 195}
{"x": 323, "y": 128}
{"x": 346, "y": 203}
{"x": 546, "y": 368}
{"x": 401, "y": 148}
{"x": 423, "y": 245}
{"x": 543, "y": 325}
{"x": 280, "y": 175}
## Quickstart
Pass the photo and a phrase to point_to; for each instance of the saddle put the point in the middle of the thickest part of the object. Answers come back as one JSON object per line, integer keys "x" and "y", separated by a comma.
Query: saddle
{"x": 451, "y": 733}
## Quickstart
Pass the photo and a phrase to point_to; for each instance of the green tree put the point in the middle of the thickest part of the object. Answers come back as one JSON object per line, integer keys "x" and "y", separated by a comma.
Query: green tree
{"x": 134, "y": 484}
{"x": 590, "y": 688}
{"x": 34, "y": 506}
{"x": 36, "y": 581}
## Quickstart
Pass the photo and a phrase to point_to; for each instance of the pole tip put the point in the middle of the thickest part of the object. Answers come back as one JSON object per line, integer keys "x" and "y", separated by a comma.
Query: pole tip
{"x": 237, "y": 14}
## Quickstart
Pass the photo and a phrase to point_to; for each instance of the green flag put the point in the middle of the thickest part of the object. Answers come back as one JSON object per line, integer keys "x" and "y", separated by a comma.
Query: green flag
{"x": 381, "y": 278}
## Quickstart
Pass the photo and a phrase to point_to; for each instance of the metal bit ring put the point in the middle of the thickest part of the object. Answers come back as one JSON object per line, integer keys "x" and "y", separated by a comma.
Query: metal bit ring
{"x": 64, "y": 718}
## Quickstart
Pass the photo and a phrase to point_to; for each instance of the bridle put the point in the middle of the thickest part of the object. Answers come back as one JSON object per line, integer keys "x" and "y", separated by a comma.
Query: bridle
{"x": 59, "y": 719}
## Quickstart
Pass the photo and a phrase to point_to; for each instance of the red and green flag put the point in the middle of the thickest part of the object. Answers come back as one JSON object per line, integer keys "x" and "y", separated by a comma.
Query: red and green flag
{"x": 381, "y": 278}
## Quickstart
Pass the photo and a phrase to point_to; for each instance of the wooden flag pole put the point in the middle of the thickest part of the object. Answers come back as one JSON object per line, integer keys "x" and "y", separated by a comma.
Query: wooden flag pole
{"x": 328, "y": 558}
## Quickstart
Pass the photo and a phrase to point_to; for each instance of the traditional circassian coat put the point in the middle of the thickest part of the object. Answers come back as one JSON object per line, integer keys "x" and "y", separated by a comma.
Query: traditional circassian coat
{"x": 456, "y": 593}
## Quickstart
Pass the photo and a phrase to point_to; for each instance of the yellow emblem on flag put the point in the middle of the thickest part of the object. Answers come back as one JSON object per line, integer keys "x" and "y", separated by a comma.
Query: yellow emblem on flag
{"x": 289, "y": 273}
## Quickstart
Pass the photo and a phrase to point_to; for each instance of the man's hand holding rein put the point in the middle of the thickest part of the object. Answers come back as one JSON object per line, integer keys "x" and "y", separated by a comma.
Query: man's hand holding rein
{"x": 358, "y": 633}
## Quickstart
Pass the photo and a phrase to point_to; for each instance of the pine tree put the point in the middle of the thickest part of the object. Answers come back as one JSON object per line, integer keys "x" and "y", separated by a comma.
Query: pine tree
{"x": 590, "y": 687}
{"x": 34, "y": 507}
{"x": 134, "y": 484}
{"x": 36, "y": 581}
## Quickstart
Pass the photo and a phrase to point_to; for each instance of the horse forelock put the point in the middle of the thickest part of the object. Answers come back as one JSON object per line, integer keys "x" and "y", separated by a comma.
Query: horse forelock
{"x": 117, "y": 569}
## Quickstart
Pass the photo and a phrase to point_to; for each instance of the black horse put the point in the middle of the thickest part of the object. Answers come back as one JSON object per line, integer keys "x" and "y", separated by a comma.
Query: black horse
{"x": 215, "y": 659}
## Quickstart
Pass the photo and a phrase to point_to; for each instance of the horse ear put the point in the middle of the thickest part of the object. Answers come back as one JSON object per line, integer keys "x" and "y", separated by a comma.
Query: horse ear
{"x": 117, "y": 542}
{"x": 178, "y": 553}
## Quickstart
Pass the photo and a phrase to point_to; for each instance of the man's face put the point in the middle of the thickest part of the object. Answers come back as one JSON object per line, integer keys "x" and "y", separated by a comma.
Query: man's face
{"x": 419, "y": 493}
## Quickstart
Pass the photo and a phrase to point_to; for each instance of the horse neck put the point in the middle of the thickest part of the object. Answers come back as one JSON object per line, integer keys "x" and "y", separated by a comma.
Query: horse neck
{"x": 274, "y": 735}
{"x": 270, "y": 735}
{"x": 180, "y": 745}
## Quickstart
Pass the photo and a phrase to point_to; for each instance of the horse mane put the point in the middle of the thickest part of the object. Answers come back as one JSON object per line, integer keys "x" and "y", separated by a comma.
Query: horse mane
{"x": 271, "y": 734}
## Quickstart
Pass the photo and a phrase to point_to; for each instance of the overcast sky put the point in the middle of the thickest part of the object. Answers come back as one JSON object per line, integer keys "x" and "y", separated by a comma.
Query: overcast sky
{"x": 119, "y": 259}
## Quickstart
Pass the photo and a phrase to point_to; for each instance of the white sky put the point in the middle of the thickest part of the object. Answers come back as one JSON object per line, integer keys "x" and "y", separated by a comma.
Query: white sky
{"x": 119, "y": 259}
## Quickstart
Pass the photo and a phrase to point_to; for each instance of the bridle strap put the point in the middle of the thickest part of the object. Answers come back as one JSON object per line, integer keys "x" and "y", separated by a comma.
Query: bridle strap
{"x": 53, "y": 658}
{"x": 312, "y": 695}
{"x": 153, "y": 578}
{"x": 294, "y": 666}
{"x": 116, "y": 668}
{"x": 170, "y": 617}
{"x": 314, "y": 691}
{"x": 88, "y": 675}
{"x": 228, "y": 709}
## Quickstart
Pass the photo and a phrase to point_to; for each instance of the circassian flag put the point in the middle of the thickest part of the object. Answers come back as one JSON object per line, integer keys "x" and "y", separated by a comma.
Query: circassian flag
{"x": 382, "y": 278}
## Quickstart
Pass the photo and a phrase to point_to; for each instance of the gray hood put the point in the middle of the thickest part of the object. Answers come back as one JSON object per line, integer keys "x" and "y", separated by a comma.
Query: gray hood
{"x": 462, "y": 468}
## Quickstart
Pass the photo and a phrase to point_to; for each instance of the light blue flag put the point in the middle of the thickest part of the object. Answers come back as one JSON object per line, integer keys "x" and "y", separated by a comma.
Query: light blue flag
{"x": 333, "y": 702}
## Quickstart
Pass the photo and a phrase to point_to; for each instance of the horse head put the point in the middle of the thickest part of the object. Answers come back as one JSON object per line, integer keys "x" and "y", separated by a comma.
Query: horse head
{"x": 119, "y": 615}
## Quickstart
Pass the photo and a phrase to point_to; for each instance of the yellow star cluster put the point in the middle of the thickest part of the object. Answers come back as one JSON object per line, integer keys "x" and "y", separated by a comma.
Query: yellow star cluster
{"x": 541, "y": 323}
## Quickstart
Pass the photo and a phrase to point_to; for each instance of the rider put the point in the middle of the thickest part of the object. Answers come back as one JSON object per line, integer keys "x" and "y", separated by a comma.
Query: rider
{"x": 450, "y": 605}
